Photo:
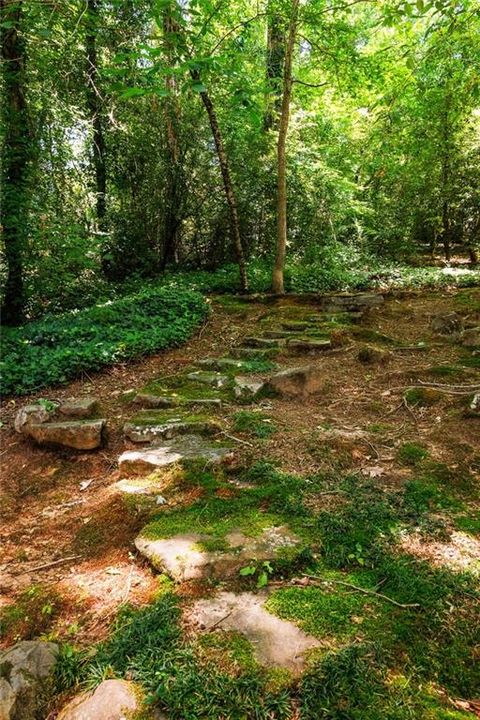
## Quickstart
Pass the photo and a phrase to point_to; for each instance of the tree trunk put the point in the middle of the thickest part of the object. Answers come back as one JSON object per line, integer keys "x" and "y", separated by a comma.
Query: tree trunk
{"x": 16, "y": 149}
{"x": 94, "y": 104}
{"x": 446, "y": 161}
{"x": 275, "y": 63}
{"x": 174, "y": 183}
{"x": 227, "y": 183}
{"x": 278, "y": 268}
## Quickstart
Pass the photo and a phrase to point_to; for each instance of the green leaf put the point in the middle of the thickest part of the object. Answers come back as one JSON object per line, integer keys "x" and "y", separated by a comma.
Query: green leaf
{"x": 199, "y": 87}
{"x": 248, "y": 570}
{"x": 133, "y": 92}
{"x": 262, "y": 579}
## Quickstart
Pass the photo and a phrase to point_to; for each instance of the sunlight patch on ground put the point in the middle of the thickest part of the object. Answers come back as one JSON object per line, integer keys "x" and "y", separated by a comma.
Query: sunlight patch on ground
{"x": 462, "y": 553}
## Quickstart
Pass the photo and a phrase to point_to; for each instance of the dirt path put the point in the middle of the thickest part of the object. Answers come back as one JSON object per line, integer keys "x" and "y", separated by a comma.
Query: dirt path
{"x": 64, "y": 527}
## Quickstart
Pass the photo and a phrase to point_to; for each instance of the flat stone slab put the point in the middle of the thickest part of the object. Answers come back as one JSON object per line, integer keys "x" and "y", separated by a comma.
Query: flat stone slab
{"x": 111, "y": 700}
{"x": 188, "y": 447}
{"x": 231, "y": 364}
{"x": 302, "y": 381}
{"x": 148, "y": 400}
{"x": 148, "y": 425}
{"x": 184, "y": 558}
{"x": 276, "y": 642}
{"x": 76, "y": 434}
{"x": 308, "y": 345}
{"x": 260, "y": 342}
{"x": 79, "y": 407}
{"x": 339, "y": 317}
{"x": 295, "y": 325}
{"x": 214, "y": 379}
{"x": 249, "y": 353}
{"x": 350, "y": 302}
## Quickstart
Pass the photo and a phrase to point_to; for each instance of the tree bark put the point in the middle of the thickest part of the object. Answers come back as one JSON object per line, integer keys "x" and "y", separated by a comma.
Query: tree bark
{"x": 94, "y": 104}
{"x": 446, "y": 161}
{"x": 174, "y": 183}
{"x": 16, "y": 150}
{"x": 274, "y": 70}
{"x": 227, "y": 183}
{"x": 278, "y": 268}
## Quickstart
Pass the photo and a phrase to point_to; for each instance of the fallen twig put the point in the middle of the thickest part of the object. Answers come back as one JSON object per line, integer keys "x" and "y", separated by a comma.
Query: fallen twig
{"x": 363, "y": 590}
{"x": 239, "y": 440}
{"x": 45, "y": 566}
{"x": 215, "y": 625}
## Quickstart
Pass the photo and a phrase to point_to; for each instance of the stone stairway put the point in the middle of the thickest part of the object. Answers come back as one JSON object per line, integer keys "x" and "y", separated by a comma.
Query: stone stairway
{"x": 180, "y": 420}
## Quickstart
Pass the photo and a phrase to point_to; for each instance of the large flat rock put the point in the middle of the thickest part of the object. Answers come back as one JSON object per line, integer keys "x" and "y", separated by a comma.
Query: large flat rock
{"x": 173, "y": 400}
{"x": 189, "y": 447}
{"x": 276, "y": 642}
{"x": 149, "y": 425}
{"x": 299, "y": 381}
{"x": 184, "y": 556}
{"x": 77, "y": 434}
{"x": 205, "y": 377}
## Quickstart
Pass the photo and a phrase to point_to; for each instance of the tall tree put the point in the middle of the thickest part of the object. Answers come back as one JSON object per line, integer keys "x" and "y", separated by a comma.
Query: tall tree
{"x": 16, "y": 152}
{"x": 95, "y": 109}
{"x": 278, "y": 268}
{"x": 175, "y": 187}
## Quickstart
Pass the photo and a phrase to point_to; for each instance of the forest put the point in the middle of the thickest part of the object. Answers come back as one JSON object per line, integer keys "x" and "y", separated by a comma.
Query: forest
{"x": 240, "y": 354}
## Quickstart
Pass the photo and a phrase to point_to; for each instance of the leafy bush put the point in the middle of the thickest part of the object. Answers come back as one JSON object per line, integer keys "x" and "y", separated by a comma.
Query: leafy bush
{"x": 57, "y": 348}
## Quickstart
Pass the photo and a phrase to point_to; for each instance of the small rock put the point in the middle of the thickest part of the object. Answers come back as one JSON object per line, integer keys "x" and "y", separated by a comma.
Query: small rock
{"x": 474, "y": 406}
{"x": 25, "y": 670}
{"x": 112, "y": 700}
{"x": 370, "y": 355}
{"x": 32, "y": 414}
{"x": 471, "y": 337}
{"x": 79, "y": 434}
{"x": 303, "y": 381}
{"x": 446, "y": 323}
{"x": 79, "y": 407}
{"x": 247, "y": 389}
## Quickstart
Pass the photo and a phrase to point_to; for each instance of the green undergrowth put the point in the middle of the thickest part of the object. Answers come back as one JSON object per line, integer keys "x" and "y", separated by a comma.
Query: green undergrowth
{"x": 254, "y": 423}
{"x": 32, "y": 614}
{"x": 57, "y": 348}
{"x": 377, "y": 660}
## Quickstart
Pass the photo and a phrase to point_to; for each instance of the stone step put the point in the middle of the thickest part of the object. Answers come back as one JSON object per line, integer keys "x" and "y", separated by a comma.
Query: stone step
{"x": 187, "y": 447}
{"x": 249, "y": 353}
{"x": 148, "y": 425}
{"x": 76, "y": 434}
{"x": 225, "y": 364}
{"x": 260, "y": 342}
{"x": 275, "y": 642}
{"x": 294, "y": 382}
{"x": 185, "y": 557}
{"x": 341, "y": 318}
{"x": 247, "y": 388}
{"x": 295, "y": 325}
{"x": 213, "y": 379}
{"x": 173, "y": 400}
{"x": 310, "y": 345}
{"x": 350, "y": 302}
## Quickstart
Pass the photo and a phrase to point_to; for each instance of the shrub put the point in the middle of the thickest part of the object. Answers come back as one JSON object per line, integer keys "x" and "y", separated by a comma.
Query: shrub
{"x": 55, "y": 349}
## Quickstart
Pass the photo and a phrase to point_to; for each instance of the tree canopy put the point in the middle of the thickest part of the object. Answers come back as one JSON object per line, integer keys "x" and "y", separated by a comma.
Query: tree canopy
{"x": 144, "y": 135}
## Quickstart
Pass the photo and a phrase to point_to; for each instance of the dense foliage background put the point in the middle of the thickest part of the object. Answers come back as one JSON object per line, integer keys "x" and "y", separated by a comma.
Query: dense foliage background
{"x": 119, "y": 173}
